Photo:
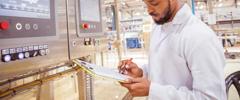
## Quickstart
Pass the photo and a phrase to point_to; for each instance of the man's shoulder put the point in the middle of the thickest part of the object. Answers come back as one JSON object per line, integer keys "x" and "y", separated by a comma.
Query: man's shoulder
{"x": 196, "y": 29}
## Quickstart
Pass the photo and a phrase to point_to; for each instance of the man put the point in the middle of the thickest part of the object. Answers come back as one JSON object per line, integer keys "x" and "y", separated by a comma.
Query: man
{"x": 226, "y": 39}
{"x": 186, "y": 59}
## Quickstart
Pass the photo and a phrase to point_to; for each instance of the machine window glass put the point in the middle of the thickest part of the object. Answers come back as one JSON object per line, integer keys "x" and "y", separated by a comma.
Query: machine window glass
{"x": 90, "y": 10}
{"x": 26, "y": 8}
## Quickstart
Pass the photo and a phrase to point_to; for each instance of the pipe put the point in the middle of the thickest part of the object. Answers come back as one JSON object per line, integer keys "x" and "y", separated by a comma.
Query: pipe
{"x": 119, "y": 52}
{"x": 193, "y": 7}
{"x": 28, "y": 75}
{"x": 13, "y": 91}
{"x": 68, "y": 31}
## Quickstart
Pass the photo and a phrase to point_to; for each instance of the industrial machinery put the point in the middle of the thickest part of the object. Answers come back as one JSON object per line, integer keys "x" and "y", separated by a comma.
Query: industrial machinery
{"x": 29, "y": 37}
{"x": 38, "y": 36}
{"x": 87, "y": 39}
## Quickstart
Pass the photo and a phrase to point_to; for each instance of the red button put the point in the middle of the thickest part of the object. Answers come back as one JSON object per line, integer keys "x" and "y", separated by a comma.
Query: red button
{"x": 4, "y": 25}
{"x": 85, "y": 26}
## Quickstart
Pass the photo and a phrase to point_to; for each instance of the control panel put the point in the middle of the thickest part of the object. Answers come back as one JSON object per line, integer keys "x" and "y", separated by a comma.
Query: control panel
{"x": 89, "y": 36}
{"x": 89, "y": 18}
{"x": 29, "y": 30}
{"x": 22, "y": 18}
{"x": 20, "y": 53}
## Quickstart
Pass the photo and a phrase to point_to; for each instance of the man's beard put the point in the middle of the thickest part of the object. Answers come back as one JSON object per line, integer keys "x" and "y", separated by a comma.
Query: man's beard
{"x": 166, "y": 18}
{"x": 163, "y": 20}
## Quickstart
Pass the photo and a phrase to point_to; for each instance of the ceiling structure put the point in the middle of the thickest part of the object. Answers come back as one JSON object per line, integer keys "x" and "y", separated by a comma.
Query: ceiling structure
{"x": 137, "y": 7}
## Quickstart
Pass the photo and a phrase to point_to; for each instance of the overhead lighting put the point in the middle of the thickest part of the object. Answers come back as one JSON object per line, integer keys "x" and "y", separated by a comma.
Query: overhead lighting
{"x": 198, "y": 3}
{"x": 145, "y": 13}
{"x": 137, "y": 13}
{"x": 201, "y": 7}
{"x": 220, "y": 5}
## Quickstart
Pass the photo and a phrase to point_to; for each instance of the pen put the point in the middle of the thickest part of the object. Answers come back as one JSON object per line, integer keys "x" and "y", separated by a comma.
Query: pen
{"x": 123, "y": 67}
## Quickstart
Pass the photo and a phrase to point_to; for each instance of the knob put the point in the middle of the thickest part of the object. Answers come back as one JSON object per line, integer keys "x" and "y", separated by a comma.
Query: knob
{"x": 20, "y": 56}
{"x": 42, "y": 52}
{"x": 85, "y": 26}
{"x": 27, "y": 54}
{"x": 47, "y": 51}
{"x": 4, "y": 25}
{"x": 6, "y": 58}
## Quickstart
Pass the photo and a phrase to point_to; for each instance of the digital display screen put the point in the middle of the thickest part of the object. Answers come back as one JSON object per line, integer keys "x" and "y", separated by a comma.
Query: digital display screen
{"x": 26, "y": 8}
{"x": 90, "y": 10}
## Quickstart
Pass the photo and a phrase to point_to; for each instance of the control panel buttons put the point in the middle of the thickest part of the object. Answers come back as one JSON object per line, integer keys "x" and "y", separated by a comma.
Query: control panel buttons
{"x": 11, "y": 51}
{"x": 6, "y": 58}
{"x": 42, "y": 52}
{"x": 35, "y": 53}
{"x": 26, "y": 54}
{"x": 27, "y": 26}
{"x": 47, "y": 51}
{"x": 40, "y": 47}
{"x": 45, "y": 46}
{"x": 5, "y": 51}
{"x": 19, "y": 49}
{"x": 87, "y": 41}
{"x": 30, "y": 48}
{"x": 4, "y": 25}
{"x": 85, "y": 26}
{"x": 18, "y": 26}
{"x": 25, "y": 49}
{"x": 93, "y": 26}
{"x": 35, "y": 26}
{"x": 35, "y": 47}
{"x": 20, "y": 55}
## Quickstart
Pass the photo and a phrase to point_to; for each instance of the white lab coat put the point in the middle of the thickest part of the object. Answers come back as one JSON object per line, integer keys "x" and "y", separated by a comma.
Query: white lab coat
{"x": 186, "y": 61}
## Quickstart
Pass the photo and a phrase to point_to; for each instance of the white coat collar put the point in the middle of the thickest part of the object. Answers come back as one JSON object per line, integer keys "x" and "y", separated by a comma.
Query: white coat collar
{"x": 182, "y": 15}
{"x": 180, "y": 18}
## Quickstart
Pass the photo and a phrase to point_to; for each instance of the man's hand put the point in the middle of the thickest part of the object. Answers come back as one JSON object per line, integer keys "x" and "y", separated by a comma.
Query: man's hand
{"x": 137, "y": 86}
{"x": 129, "y": 68}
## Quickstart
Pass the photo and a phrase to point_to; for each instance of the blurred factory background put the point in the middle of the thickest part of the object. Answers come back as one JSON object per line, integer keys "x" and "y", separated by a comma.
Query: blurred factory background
{"x": 40, "y": 38}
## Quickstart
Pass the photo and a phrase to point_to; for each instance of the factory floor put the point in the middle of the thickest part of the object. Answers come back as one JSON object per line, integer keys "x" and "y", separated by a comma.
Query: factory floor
{"x": 105, "y": 89}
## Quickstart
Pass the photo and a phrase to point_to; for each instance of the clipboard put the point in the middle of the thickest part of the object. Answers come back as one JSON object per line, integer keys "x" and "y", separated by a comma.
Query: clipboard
{"x": 100, "y": 71}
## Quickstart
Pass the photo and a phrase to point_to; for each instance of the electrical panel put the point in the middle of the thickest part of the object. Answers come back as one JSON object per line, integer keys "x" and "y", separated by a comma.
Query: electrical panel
{"x": 86, "y": 36}
{"x": 32, "y": 36}
{"x": 89, "y": 20}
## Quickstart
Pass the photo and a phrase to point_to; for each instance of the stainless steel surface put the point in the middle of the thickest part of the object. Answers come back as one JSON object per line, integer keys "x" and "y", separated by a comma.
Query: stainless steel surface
{"x": 57, "y": 45}
{"x": 65, "y": 46}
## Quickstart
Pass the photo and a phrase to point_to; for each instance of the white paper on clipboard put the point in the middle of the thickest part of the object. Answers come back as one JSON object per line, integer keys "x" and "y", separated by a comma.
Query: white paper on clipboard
{"x": 102, "y": 71}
